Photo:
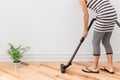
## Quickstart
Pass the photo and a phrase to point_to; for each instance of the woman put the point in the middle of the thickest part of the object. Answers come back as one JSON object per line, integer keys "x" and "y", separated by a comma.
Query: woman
{"x": 104, "y": 25}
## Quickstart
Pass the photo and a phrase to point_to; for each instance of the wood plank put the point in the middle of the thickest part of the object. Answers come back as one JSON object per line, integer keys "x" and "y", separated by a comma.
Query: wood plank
{"x": 51, "y": 71}
{"x": 70, "y": 71}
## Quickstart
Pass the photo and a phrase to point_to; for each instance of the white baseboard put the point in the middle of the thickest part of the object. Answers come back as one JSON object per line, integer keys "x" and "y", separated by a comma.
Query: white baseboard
{"x": 58, "y": 56}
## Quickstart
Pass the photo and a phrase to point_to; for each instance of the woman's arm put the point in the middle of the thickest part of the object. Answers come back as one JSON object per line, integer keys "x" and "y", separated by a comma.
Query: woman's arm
{"x": 86, "y": 16}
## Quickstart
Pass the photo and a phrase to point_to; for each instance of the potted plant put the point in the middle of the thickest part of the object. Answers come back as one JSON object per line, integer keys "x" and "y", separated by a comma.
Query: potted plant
{"x": 16, "y": 53}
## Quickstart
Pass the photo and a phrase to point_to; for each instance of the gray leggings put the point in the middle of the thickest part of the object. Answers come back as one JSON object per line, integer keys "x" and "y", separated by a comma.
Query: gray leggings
{"x": 103, "y": 37}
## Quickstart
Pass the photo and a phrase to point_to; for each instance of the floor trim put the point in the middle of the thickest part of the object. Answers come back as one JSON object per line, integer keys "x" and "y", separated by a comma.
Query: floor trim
{"x": 57, "y": 56}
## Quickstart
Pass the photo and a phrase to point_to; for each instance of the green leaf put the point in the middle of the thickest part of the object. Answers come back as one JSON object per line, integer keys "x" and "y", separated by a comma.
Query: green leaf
{"x": 16, "y": 53}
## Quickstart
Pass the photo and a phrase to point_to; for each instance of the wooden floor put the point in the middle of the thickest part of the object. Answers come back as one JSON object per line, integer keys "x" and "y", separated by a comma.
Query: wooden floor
{"x": 51, "y": 71}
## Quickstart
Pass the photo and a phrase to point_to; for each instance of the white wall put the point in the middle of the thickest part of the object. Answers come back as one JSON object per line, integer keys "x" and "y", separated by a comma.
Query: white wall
{"x": 47, "y": 26}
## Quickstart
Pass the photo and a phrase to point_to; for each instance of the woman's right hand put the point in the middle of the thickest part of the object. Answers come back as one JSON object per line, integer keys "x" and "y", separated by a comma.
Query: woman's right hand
{"x": 85, "y": 33}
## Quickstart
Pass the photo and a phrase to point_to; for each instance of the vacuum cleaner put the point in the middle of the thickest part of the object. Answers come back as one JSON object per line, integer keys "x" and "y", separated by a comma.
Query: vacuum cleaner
{"x": 64, "y": 67}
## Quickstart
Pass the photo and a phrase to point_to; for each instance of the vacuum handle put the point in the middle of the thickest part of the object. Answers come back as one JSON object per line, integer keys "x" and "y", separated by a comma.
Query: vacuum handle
{"x": 118, "y": 23}
{"x": 91, "y": 23}
{"x": 82, "y": 39}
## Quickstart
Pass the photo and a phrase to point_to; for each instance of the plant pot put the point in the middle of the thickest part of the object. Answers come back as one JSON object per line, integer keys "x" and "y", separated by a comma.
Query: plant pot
{"x": 16, "y": 64}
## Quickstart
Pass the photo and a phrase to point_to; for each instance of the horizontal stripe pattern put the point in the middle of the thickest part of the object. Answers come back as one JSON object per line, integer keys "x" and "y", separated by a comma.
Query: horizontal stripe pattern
{"x": 106, "y": 15}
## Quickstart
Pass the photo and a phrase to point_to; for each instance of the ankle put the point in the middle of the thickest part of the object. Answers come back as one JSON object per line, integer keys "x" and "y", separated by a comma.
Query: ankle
{"x": 95, "y": 67}
{"x": 110, "y": 66}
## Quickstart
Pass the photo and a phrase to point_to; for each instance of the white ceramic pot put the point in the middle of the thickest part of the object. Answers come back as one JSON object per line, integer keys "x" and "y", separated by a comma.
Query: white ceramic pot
{"x": 16, "y": 64}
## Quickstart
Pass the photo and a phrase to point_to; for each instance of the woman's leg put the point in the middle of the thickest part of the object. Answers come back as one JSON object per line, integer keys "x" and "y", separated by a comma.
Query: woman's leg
{"x": 109, "y": 51}
{"x": 97, "y": 37}
{"x": 95, "y": 62}
{"x": 110, "y": 62}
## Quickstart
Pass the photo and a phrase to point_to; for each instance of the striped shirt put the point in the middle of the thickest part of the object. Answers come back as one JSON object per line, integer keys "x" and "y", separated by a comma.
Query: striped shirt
{"x": 106, "y": 15}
